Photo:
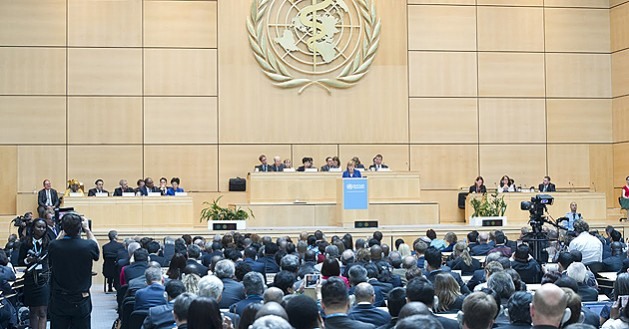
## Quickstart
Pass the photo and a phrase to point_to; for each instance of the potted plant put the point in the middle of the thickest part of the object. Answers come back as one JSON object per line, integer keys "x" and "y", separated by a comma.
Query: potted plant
{"x": 488, "y": 207}
{"x": 221, "y": 218}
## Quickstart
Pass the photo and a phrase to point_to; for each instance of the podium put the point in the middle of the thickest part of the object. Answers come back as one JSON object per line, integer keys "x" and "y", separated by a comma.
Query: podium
{"x": 352, "y": 201}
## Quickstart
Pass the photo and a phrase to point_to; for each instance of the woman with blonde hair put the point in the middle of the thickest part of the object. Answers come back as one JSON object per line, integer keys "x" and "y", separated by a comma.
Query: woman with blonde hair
{"x": 404, "y": 250}
{"x": 462, "y": 260}
{"x": 449, "y": 294}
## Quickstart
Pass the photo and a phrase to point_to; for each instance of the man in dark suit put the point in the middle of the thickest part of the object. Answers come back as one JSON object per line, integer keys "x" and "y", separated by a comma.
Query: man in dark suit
{"x": 52, "y": 231}
{"x": 578, "y": 272}
{"x": 233, "y": 291}
{"x": 479, "y": 310}
{"x": 47, "y": 198}
{"x": 519, "y": 312}
{"x": 433, "y": 267}
{"x": 254, "y": 288}
{"x": 215, "y": 250}
{"x": 364, "y": 310}
{"x": 194, "y": 252}
{"x": 377, "y": 163}
{"x": 153, "y": 293}
{"x": 277, "y": 164}
{"x": 111, "y": 250}
{"x": 130, "y": 272}
{"x": 329, "y": 163}
{"x": 264, "y": 166}
{"x": 250, "y": 258}
{"x": 161, "y": 317}
{"x": 528, "y": 268}
{"x": 154, "y": 249}
{"x": 421, "y": 290}
{"x": 335, "y": 304}
{"x": 180, "y": 309}
{"x": 482, "y": 248}
{"x": 268, "y": 261}
{"x": 149, "y": 187}
{"x": 123, "y": 188}
{"x": 614, "y": 263}
{"x": 98, "y": 189}
{"x": 546, "y": 185}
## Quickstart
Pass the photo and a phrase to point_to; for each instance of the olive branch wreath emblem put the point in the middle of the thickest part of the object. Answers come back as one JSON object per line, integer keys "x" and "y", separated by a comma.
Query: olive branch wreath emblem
{"x": 351, "y": 74}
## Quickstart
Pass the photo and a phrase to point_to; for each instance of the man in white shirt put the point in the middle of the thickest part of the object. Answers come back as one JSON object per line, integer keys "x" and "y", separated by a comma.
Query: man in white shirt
{"x": 590, "y": 247}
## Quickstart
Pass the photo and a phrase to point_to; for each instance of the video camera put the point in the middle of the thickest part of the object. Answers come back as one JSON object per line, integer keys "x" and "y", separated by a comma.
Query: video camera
{"x": 536, "y": 207}
{"x": 22, "y": 221}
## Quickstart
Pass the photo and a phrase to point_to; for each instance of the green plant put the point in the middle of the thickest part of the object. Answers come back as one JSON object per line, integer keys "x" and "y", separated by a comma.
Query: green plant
{"x": 215, "y": 212}
{"x": 489, "y": 206}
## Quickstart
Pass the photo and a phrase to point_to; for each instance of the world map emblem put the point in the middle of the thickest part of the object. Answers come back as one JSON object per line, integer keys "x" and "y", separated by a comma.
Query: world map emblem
{"x": 304, "y": 43}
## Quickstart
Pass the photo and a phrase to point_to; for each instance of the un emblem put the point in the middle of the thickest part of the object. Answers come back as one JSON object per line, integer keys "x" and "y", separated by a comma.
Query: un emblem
{"x": 303, "y": 43}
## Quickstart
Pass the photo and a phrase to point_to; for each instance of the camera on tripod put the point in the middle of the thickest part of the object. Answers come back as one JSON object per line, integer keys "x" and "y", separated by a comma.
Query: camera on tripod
{"x": 536, "y": 207}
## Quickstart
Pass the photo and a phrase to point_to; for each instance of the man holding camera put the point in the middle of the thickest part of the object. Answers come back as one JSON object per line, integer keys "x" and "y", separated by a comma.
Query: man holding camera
{"x": 71, "y": 259}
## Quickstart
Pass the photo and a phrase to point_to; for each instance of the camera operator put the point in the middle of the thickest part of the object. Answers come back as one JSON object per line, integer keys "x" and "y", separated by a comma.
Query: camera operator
{"x": 33, "y": 251}
{"x": 23, "y": 224}
{"x": 71, "y": 259}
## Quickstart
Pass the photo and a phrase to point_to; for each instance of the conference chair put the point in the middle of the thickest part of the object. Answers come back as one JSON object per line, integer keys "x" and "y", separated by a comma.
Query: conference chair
{"x": 137, "y": 319}
{"x": 624, "y": 205}
{"x": 127, "y": 309}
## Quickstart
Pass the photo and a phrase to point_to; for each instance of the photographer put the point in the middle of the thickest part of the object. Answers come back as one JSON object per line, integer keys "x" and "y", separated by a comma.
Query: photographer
{"x": 71, "y": 259}
{"x": 23, "y": 224}
{"x": 33, "y": 251}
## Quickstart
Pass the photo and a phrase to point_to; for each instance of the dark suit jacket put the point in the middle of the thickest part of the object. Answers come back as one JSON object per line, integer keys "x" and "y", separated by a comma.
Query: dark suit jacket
{"x": 480, "y": 249}
{"x": 160, "y": 317}
{"x": 373, "y": 166}
{"x": 51, "y": 234}
{"x": 459, "y": 264}
{"x": 118, "y": 191}
{"x": 530, "y": 271}
{"x": 447, "y": 323}
{"x": 515, "y": 326}
{"x": 157, "y": 258}
{"x": 549, "y": 188}
{"x": 369, "y": 314}
{"x": 613, "y": 263}
{"x": 134, "y": 270}
{"x": 588, "y": 294}
{"x": 203, "y": 270}
{"x": 379, "y": 295}
{"x": 92, "y": 192}
{"x": 344, "y": 322}
{"x": 483, "y": 189}
{"x": 255, "y": 266}
{"x": 270, "y": 266}
{"x": 278, "y": 168}
{"x": 264, "y": 168}
{"x": 111, "y": 250}
{"x": 233, "y": 292}
{"x": 239, "y": 307}
{"x": 477, "y": 278}
{"x": 41, "y": 198}
{"x": 149, "y": 296}
{"x": 145, "y": 190}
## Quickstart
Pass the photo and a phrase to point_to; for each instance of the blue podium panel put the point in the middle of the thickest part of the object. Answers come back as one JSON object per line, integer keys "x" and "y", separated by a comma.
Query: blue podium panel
{"x": 355, "y": 194}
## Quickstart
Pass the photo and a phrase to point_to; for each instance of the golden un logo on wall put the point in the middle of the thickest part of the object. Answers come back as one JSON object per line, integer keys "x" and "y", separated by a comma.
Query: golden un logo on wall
{"x": 301, "y": 43}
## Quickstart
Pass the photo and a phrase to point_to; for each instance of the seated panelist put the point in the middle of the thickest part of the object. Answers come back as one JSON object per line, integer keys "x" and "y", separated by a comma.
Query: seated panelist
{"x": 351, "y": 171}
{"x": 546, "y": 185}
{"x": 277, "y": 164}
{"x": 175, "y": 186}
{"x": 357, "y": 163}
{"x": 98, "y": 189}
{"x": 506, "y": 185}
{"x": 75, "y": 187}
{"x": 124, "y": 187}
{"x": 329, "y": 164}
{"x": 377, "y": 163}
{"x": 264, "y": 166}
{"x": 479, "y": 186}
{"x": 149, "y": 187}
{"x": 140, "y": 186}
{"x": 163, "y": 185}
{"x": 307, "y": 163}
{"x": 288, "y": 164}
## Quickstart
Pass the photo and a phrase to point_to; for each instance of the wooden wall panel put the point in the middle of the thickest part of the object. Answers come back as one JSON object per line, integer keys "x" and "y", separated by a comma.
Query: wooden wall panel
{"x": 569, "y": 165}
{"x": 105, "y": 23}
{"x": 518, "y": 3}
{"x": 36, "y": 163}
{"x": 442, "y": 74}
{"x": 23, "y": 117}
{"x": 620, "y": 112}
{"x": 33, "y": 23}
{"x": 239, "y": 160}
{"x": 105, "y": 72}
{"x": 317, "y": 152}
{"x": 188, "y": 24}
{"x": 500, "y": 120}
{"x": 619, "y": 18}
{"x": 182, "y": 72}
{"x": 32, "y": 71}
{"x": 578, "y": 75}
{"x": 180, "y": 120}
{"x": 510, "y": 29}
{"x": 195, "y": 165}
{"x": 443, "y": 120}
{"x": 621, "y": 163}
{"x": 577, "y": 30}
{"x": 579, "y": 120}
{"x": 441, "y": 2}
{"x": 109, "y": 163}
{"x": 614, "y": 3}
{"x": 510, "y": 75}
{"x": 449, "y": 212}
{"x": 526, "y": 164}
{"x": 441, "y": 28}
{"x": 105, "y": 120}
{"x": 8, "y": 179}
{"x": 604, "y": 4}
{"x": 620, "y": 78}
{"x": 445, "y": 166}
{"x": 288, "y": 117}
{"x": 602, "y": 171}
{"x": 395, "y": 156}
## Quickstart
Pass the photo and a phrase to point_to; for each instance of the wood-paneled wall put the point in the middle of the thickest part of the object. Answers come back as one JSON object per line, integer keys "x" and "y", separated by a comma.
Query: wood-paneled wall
{"x": 128, "y": 88}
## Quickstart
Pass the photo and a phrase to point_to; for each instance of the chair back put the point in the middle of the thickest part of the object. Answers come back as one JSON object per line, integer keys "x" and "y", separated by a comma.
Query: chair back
{"x": 137, "y": 319}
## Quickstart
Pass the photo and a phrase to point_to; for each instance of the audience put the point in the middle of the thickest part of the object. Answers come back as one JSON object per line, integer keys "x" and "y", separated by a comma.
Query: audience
{"x": 364, "y": 310}
{"x": 479, "y": 310}
{"x": 153, "y": 293}
{"x": 335, "y": 304}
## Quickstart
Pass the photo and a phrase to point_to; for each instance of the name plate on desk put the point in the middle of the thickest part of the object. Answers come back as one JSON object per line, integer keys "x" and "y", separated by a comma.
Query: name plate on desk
{"x": 310, "y": 170}
{"x": 336, "y": 169}
{"x": 75, "y": 195}
{"x": 128, "y": 193}
{"x": 154, "y": 194}
{"x": 289, "y": 170}
{"x": 101, "y": 195}
{"x": 181, "y": 194}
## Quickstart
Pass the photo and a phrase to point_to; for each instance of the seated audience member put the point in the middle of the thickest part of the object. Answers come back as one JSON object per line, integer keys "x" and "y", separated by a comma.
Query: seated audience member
{"x": 277, "y": 164}
{"x": 377, "y": 163}
{"x": 395, "y": 302}
{"x": 332, "y": 268}
{"x": 335, "y": 304}
{"x": 233, "y": 291}
{"x": 249, "y": 315}
{"x": 268, "y": 261}
{"x": 263, "y": 166}
{"x": 525, "y": 265}
{"x": 254, "y": 288}
{"x": 421, "y": 290}
{"x": 482, "y": 248}
{"x": 123, "y": 188}
{"x": 462, "y": 260}
{"x": 359, "y": 274}
{"x": 153, "y": 294}
{"x": 574, "y": 304}
{"x": 273, "y": 294}
{"x": 364, "y": 310}
{"x": 499, "y": 245}
{"x": 451, "y": 240}
{"x": 439, "y": 244}
{"x": 478, "y": 311}
{"x": 137, "y": 269}
{"x": 272, "y": 308}
{"x": 449, "y": 294}
{"x": 491, "y": 268}
{"x": 420, "y": 248}
{"x": 306, "y": 163}
{"x": 174, "y": 182}
{"x": 479, "y": 186}
{"x": 517, "y": 281}
{"x": 98, "y": 189}
{"x": 161, "y": 317}
{"x": 502, "y": 284}
{"x": 303, "y": 313}
{"x": 590, "y": 247}
{"x": 518, "y": 309}
{"x": 154, "y": 248}
{"x": 546, "y": 185}
{"x": 284, "y": 280}
{"x": 329, "y": 164}
{"x": 548, "y": 306}
{"x": 47, "y": 198}
{"x": 194, "y": 253}
{"x": 578, "y": 272}
{"x": 358, "y": 164}
{"x": 618, "y": 256}
{"x": 271, "y": 321}
{"x": 181, "y": 307}
{"x": 350, "y": 171}
{"x": 74, "y": 188}
{"x": 204, "y": 313}
{"x": 506, "y": 185}
{"x": 479, "y": 275}
{"x": 572, "y": 216}
{"x": 212, "y": 287}
{"x": 472, "y": 238}
{"x": 419, "y": 322}
{"x": 411, "y": 309}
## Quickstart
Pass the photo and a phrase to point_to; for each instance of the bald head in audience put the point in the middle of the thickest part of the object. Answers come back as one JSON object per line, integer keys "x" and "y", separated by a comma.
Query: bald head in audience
{"x": 549, "y": 304}
{"x": 273, "y": 294}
